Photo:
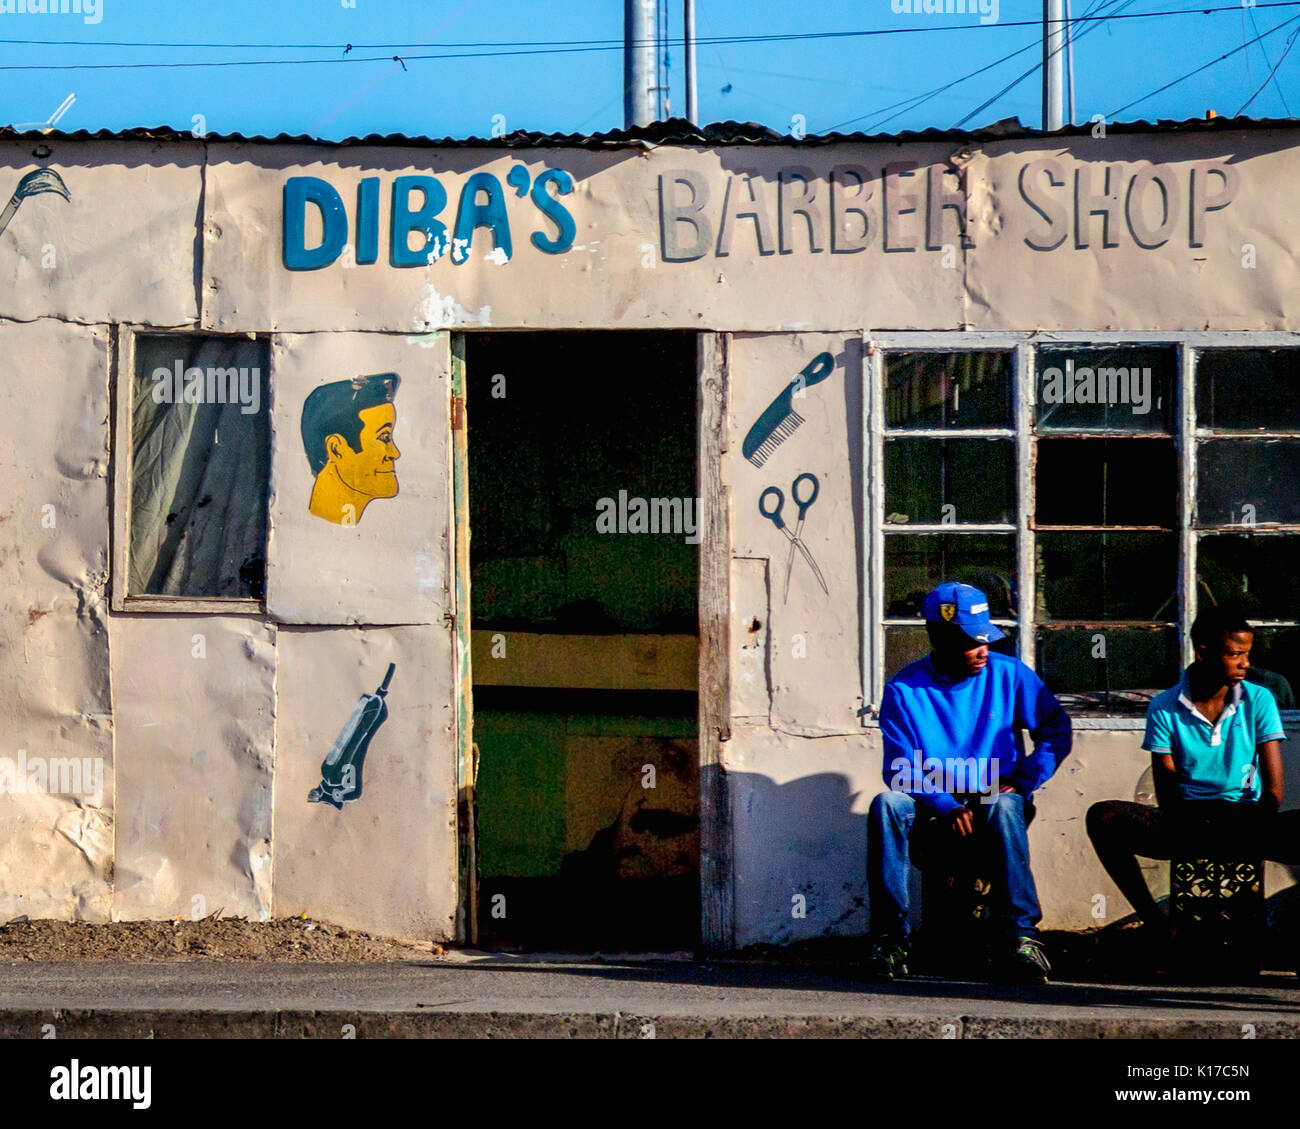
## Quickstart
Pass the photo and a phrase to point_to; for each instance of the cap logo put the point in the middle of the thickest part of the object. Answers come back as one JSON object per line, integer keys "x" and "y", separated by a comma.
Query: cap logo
{"x": 947, "y": 611}
{"x": 975, "y": 609}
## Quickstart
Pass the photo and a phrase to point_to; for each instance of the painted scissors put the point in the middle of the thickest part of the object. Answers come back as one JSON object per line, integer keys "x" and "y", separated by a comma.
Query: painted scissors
{"x": 773, "y": 514}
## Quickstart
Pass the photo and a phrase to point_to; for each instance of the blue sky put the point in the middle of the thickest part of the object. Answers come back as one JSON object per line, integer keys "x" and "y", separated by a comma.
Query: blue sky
{"x": 845, "y": 81}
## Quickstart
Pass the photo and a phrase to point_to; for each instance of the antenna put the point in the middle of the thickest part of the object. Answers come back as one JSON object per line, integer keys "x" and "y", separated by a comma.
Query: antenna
{"x": 53, "y": 119}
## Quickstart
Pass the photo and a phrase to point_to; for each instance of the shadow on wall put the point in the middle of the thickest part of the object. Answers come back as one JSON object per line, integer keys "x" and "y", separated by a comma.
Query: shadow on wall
{"x": 793, "y": 844}
{"x": 801, "y": 856}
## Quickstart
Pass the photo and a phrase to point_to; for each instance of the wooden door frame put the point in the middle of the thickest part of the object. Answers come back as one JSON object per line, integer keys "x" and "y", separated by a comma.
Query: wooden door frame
{"x": 462, "y": 673}
{"x": 717, "y": 892}
{"x": 717, "y": 897}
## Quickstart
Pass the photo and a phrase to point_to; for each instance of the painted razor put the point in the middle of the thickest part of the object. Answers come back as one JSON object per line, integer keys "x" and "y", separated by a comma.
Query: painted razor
{"x": 340, "y": 771}
{"x": 779, "y": 421}
{"x": 33, "y": 184}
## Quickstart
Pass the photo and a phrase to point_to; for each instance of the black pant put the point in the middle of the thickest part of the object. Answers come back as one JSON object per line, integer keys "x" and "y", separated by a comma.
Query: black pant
{"x": 1194, "y": 828}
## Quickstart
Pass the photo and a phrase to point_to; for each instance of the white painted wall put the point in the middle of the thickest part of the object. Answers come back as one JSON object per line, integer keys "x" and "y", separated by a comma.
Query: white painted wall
{"x": 206, "y": 766}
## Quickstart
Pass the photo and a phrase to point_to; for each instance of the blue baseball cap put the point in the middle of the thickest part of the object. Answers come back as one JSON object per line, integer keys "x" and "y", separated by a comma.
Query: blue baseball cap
{"x": 963, "y": 606}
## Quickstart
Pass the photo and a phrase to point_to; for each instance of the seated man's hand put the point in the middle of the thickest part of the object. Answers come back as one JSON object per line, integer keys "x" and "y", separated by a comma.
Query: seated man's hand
{"x": 963, "y": 821}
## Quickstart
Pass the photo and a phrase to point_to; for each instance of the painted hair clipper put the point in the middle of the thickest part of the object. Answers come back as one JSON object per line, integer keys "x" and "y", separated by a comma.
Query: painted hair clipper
{"x": 340, "y": 771}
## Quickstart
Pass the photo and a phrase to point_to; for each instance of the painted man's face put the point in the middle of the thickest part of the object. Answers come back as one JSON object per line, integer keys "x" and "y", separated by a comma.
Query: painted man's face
{"x": 371, "y": 470}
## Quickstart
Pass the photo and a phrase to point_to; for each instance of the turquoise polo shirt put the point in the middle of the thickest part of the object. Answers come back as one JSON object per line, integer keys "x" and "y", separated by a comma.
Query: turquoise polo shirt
{"x": 1213, "y": 761}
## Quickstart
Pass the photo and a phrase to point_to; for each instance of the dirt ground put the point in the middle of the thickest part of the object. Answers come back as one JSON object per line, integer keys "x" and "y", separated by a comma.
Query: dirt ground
{"x": 211, "y": 938}
{"x": 1114, "y": 953}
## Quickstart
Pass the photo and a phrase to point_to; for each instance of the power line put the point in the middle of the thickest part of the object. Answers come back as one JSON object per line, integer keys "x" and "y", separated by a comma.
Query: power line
{"x": 541, "y": 47}
{"x": 1032, "y": 70}
{"x": 918, "y": 100}
{"x": 1038, "y": 66}
{"x": 1202, "y": 67}
{"x": 1267, "y": 62}
{"x": 1285, "y": 51}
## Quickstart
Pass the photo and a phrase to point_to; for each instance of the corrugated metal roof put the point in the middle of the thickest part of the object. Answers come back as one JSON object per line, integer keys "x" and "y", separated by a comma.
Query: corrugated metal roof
{"x": 674, "y": 131}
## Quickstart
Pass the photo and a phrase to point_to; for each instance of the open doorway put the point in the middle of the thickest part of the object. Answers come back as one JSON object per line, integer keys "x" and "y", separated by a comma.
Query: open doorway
{"x": 584, "y": 617}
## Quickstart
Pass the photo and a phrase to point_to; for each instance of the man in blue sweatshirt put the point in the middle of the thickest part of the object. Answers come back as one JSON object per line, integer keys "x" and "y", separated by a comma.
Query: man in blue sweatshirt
{"x": 958, "y": 772}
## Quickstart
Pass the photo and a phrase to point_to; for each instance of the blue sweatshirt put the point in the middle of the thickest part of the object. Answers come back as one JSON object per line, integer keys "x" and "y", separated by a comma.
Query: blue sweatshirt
{"x": 930, "y": 722}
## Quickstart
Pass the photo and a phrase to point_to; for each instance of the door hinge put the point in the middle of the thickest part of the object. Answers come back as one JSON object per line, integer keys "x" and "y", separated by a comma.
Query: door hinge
{"x": 457, "y": 413}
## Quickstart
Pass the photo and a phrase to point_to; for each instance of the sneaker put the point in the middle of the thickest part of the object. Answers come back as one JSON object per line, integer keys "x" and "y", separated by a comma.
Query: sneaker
{"x": 887, "y": 958}
{"x": 1027, "y": 963}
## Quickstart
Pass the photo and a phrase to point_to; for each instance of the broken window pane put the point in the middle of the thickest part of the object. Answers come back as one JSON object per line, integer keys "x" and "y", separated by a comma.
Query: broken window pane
{"x": 200, "y": 461}
{"x": 1248, "y": 482}
{"x": 1248, "y": 389}
{"x": 1107, "y": 576}
{"x": 932, "y": 390}
{"x": 904, "y": 645}
{"x": 1107, "y": 668}
{"x": 950, "y": 481}
{"x": 917, "y": 562}
{"x": 1258, "y": 573}
{"x": 1116, "y": 388}
{"x": 1106, "y": 482}
{"x": 1275, "y": 663}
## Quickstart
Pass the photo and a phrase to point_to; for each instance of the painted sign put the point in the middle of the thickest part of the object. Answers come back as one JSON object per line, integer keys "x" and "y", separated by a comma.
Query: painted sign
{"x": 417, "y": 207}
{"x": 347, "y": 433}
{"x": 765, "y": 238}
{"x": 901, "y": 206}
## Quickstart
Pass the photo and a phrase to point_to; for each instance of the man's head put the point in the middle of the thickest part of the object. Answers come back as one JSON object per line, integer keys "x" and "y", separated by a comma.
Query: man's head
{"x": 960, "y": 629}
{"x": 1221, "y": 640}
{"x": 349, "y": 425}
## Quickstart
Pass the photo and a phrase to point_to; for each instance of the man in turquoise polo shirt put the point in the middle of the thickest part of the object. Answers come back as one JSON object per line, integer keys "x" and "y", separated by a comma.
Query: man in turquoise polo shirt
{"x": 1215, "y": 755}
{"x": 960, "y": 779}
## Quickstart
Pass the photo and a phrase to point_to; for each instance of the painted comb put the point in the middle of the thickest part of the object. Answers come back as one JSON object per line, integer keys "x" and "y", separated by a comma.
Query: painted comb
{"x": 779, "y": 421}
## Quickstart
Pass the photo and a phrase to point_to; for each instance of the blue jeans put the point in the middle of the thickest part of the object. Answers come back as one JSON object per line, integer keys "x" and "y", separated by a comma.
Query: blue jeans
{"x": 1000, "y": 829}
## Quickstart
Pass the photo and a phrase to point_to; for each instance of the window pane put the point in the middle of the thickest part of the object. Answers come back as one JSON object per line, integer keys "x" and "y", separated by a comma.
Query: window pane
{"x": 1248, "y": 481}
{"x": 904, "y": 645}
{"x": 1259, "y": 573}
{"x": 200, "y": 460}
{"x": 1122, "y": 388}
{"x": 948, "y": 389}
{"x": 1107, "y": 576}
{"x": 1110, "y": 669}
{"x": 1106, "y": 482}
{"x": 917, "y": 562}
{"x": 974, "y": 477}
{"x": 1275, "y": 663}
{"x": 1246, "y": 389}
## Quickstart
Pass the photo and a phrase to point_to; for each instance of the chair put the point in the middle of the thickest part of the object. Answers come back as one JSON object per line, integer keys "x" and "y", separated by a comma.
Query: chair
{"x": 958, "y": 894}
{"x": 1216, "y": 908}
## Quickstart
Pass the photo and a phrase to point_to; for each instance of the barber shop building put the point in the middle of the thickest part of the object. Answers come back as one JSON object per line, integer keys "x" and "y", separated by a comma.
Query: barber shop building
{"x": 507, "y": 542}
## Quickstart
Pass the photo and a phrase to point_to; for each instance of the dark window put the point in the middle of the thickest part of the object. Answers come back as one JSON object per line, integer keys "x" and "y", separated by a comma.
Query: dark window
{"x": 200, "y": 461}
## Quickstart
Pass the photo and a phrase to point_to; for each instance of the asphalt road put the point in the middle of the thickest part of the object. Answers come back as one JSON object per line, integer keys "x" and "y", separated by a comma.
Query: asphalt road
{"x": 509, "y": 996}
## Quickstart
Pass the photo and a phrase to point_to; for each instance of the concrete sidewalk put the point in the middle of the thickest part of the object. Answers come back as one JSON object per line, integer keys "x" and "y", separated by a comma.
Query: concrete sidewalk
{"x": 481, "y": 994}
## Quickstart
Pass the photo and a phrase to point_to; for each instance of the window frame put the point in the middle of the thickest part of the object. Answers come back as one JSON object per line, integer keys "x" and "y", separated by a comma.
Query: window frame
{"x": 121, "y": 454}
{"x": 1024, "y": 346}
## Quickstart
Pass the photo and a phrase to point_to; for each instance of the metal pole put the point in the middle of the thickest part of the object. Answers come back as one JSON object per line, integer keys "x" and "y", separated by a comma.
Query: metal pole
{"x": 1053, "y": 64}
{"x": 638, "y": 62}
{"x": 1069, "y": 65}
{"x": 692, "y": 106}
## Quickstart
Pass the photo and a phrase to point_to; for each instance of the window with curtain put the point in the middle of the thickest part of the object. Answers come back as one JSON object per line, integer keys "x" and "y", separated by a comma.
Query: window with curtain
{"x": 200, "y": 464}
